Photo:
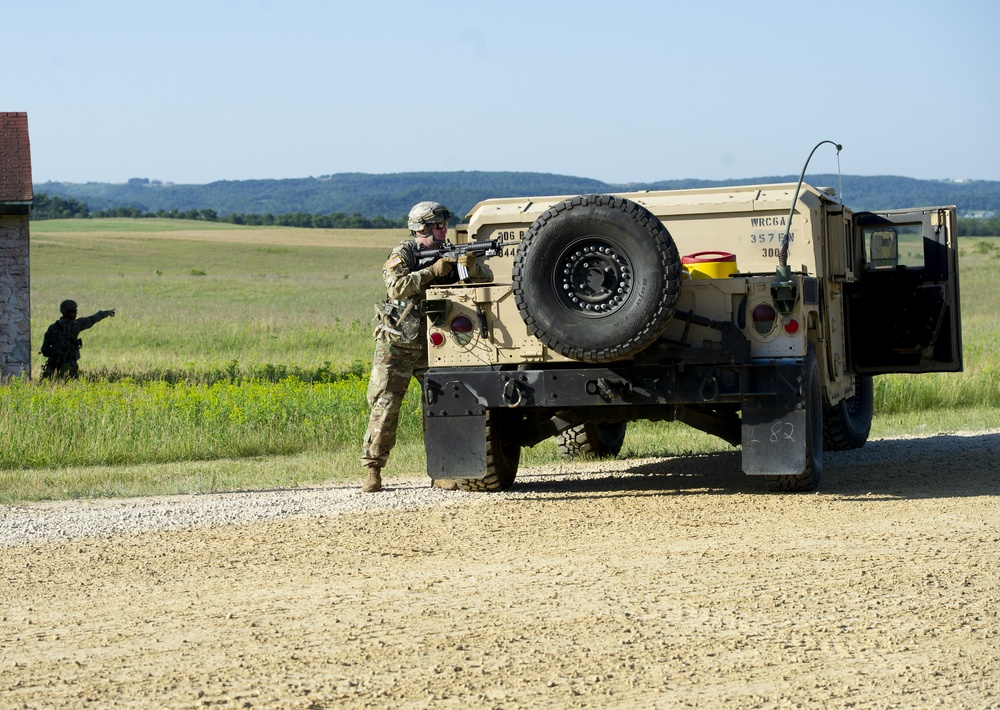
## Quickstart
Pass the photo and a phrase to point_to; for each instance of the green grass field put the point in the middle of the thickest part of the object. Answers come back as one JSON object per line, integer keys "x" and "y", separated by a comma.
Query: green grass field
{"x": 239, "y": 355}
{"x": 195, "y": 299}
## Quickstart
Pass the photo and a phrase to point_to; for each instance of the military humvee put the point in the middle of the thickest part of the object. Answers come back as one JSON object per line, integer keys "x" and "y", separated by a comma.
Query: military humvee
{"x": 756, "y": 313}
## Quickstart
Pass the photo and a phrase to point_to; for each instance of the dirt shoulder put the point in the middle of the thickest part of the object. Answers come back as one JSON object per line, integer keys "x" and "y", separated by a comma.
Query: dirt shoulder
{"x": 657, "y": 583}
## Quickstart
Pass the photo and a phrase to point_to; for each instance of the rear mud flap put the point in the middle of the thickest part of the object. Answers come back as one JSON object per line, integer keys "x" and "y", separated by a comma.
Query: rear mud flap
{"x": 455, "y": 446}
{"x": 775, "y": 436}
{"x": 774, "y": 441}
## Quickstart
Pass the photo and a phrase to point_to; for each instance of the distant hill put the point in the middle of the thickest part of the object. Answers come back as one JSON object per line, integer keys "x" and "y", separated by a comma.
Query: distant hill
{"x": 391, "y": 195}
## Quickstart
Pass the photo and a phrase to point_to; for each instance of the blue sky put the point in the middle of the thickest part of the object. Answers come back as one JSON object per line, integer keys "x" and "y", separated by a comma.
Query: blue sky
{"x": 193, "y": 92}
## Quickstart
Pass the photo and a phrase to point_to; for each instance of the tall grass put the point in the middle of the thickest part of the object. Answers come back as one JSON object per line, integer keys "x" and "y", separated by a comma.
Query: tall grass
{"x": 239, "y": 359}
{"x": 105, "y": 424}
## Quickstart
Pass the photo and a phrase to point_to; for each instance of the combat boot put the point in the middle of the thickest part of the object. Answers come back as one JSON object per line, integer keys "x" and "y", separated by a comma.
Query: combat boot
{"x": 373, "y": 483}
{"x": 447, "y": 484}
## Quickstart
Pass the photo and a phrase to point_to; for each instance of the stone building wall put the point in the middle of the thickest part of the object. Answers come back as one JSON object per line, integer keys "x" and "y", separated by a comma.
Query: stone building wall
{"x": 15, "y": 285}
{"x": 15, "y": 297}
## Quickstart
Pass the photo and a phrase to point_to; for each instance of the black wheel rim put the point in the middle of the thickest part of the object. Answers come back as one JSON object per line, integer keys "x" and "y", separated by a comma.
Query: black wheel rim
{"x": 593, "y": 279}
{"x": 854, "y": 405}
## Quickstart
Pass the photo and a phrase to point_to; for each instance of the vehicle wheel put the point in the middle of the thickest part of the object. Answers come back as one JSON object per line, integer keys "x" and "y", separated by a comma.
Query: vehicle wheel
{"x": 846, "y": 425}
{"x": 592, "y": 440}
{"x": 502, "y": 455}
{"x": 809, "y": 479}
{"x": 596, "y": 278}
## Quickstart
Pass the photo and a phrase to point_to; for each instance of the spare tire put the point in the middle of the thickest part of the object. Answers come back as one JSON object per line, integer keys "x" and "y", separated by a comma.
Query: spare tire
{"x": 596, "y": 278}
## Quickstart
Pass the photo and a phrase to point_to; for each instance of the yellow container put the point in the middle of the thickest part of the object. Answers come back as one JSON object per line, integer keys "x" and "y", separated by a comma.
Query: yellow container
{"x": 709, "y": 264}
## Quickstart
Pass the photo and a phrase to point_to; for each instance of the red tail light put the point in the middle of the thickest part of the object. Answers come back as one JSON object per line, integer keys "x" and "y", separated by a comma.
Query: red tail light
{"x": 437, "y": 339}
{"x": 763, "y": 317}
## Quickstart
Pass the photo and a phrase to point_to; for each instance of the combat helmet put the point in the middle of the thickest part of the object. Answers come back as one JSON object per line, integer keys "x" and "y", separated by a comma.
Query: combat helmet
{"x": 424, "y": 214}
{"x": 67, "y": 306}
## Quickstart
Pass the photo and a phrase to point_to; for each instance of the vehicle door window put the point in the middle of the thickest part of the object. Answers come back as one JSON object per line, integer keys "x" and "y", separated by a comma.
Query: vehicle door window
{"x": 889, "y": 248}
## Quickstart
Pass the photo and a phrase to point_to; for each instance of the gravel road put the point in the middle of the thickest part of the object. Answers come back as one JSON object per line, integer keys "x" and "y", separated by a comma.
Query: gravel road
{"x": 652, "y": 583}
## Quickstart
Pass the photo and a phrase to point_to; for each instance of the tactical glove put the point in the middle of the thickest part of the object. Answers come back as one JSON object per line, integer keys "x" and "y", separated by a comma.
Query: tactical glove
{"x": 441, "y": 267}
{"x": 468, "y": 260}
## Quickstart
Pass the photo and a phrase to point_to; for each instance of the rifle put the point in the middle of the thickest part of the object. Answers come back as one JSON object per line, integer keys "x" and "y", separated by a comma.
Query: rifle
{"x": 484, "y": 249}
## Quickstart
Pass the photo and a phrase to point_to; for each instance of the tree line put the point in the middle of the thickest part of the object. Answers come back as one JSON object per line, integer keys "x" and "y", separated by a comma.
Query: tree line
{"x": 392, "y": 195}
{"x": 979, "y": 227}
{"x": 55, "y": 207}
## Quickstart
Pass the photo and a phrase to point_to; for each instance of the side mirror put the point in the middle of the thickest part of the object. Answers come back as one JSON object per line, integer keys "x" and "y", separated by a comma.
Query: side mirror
{"x": 884, "y": 248}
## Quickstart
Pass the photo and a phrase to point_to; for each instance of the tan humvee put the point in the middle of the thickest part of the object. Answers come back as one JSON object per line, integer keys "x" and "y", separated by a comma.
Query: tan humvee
{"x": 683, "y": 305}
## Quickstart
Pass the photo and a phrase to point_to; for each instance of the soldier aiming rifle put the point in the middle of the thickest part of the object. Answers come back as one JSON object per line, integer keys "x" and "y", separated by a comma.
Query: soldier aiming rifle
{"x": 453, "y": 252}
{"x": 423, "y": 260}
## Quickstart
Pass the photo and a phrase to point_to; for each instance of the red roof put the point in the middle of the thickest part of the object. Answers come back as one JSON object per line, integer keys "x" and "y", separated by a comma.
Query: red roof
{"x": 15, "y": 158}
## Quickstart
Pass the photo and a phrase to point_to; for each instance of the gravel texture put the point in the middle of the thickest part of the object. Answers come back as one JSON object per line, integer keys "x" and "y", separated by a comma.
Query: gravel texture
{"x": 653, "y": 583}
{"x": 42, "y": 522}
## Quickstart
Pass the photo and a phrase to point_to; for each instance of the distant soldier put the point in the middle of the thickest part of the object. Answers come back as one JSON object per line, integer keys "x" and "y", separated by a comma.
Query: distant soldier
{"x": 61, "y": 345}
{"x": 401, "y": 336}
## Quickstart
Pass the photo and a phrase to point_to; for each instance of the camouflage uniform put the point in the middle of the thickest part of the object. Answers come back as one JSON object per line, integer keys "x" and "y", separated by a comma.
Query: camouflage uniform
{"x": 400, "y": 344}
{"x": 61, "y": 345}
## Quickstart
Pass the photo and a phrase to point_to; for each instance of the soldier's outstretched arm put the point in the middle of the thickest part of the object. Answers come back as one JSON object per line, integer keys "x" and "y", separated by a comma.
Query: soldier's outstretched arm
{"x": 89, "y": 321}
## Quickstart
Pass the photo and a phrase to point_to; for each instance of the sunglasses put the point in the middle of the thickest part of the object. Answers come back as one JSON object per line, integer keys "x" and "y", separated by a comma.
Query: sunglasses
{"x": 440, "y": 225}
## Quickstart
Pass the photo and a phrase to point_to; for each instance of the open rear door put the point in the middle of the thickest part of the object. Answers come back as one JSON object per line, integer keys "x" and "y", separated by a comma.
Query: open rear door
{"x": 903, "y": 311}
